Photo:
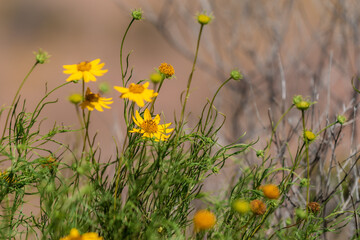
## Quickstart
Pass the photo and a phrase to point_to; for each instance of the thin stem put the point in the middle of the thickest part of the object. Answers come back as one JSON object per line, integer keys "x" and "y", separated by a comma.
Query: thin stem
{"x": 190, "y": 77}
{"x": 15, "y": 97}
{"x": 121, "y": 52}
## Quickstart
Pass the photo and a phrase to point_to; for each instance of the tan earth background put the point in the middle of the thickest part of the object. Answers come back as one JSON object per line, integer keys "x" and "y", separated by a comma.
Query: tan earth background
{"x": 282, "y": 48}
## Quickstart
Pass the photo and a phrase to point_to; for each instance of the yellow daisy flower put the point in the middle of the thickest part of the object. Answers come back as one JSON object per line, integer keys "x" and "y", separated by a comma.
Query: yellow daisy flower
{"x": 85, "y": 71}
{"x": 75, "y": 235}
{"x": 137, "y": 93}
{"x": 150, "y": 128}
{"x": 93, "y": 100}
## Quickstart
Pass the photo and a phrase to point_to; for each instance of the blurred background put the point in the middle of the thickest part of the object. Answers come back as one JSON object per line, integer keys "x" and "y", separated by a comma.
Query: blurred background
{"x": 283, "y": 48}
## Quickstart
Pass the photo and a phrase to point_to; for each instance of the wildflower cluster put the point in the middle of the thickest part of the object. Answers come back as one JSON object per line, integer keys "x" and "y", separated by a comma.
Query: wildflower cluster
{"x": 148, "y": 187}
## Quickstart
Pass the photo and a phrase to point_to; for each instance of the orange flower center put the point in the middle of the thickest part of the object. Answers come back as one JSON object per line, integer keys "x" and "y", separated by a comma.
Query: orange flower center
{"x": 149, "y": 126}
{"x": 136, "y": 88}
{"x": 84, "y": 66}
{"x": 92, "y": 97}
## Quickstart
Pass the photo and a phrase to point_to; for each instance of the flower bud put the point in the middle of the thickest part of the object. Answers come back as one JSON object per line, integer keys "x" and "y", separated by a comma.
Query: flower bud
{"x": 75, "y": 98}
{"x": 41, "y": 56}
{"x": 137, "y": 14}
{"x": 300, "y": 213}
{"x": 204, "y": 18}
{"x": 241, "y": 206}
{"x": 341, "y": 119}
{"x": 236, "y": 75}
{"x": 309, "y": 136}
{"x": 156, "y": 77}
{"x": 104, "y": 87}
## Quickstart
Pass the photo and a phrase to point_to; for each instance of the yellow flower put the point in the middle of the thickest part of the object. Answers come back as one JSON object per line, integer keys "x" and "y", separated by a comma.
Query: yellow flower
{"x": 258, "y": 207}
{"x": 166, "y": 69}
{"x": 137, "y": 93}
{"x": 309, "y": 136}
{"x": 204, "y": 220}
{"x": 241, "y": 206}
{"x": 85, "y": 71}
{"x": 150, "y": 128}
{"x": 270, "y": 191}
{"x": 93, "y": 100}
{"x": 75, "y": 235}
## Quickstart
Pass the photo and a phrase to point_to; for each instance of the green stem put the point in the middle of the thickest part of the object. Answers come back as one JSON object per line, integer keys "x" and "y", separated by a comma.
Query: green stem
{"x": 190, "y": 77}
{"x": 121, "y": 52}
{"x": 213, "y": 99}
{"x": 15, "y": 97}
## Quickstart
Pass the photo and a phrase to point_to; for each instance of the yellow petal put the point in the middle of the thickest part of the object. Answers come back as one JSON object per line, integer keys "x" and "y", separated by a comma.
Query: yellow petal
{"x": 75, "y": 76}
{"x": 138, "y": 118}
{"x": 121, "y": 89}
{"x": 147, "y": 115}
{"x": 95, "y": 62}
{"x": 145, "y": 85}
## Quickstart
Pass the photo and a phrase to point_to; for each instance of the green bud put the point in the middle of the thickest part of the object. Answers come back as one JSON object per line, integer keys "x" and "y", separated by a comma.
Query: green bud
{"x": 137, "y": 14}
{"x": 104, "y": 87}
{"x": 300, "y": 213}
{"x": 156, "y": 77}
{"x": 288, "y": 221}
{"x": 341, "y": 119}
{"x": 236, "y": 75}
{"x": 41, "y": 56}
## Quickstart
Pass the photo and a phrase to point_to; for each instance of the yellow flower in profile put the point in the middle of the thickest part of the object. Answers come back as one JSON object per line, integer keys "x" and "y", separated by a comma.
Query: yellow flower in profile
{"x": 150, "y": 128}
{"x": 241, "y": 206}
{"x": 137, "y": 93}
{"x": 85, "y": 71}
{"x": 93, "y": 100}
{"x": 203, "y": 220}
{"x": 75, "y": 235}
{"x": 166, "y": 69}
{"x": 270, "y": 191}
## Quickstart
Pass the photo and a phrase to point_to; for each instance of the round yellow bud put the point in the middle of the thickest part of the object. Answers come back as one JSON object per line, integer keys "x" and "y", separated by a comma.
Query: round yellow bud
{"x": 156, "y": 77}
{"x": 241, "y": 206}
{"x": 302, "y": 105}
{"x": 309, "y": 136}
{"x": 75, "y": 98}
{"x": 204, "y": 18}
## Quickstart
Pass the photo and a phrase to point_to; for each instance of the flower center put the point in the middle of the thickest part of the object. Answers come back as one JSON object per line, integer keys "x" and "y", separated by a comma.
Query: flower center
{"x": 92, "y": 97}
{"x": 149, "y": 126}
{"x": 84, "y": 66}
{"x": 136, "y": 88}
